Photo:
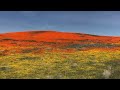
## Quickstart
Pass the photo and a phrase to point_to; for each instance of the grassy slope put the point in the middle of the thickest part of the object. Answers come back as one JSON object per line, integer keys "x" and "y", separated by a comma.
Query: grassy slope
{"x": 79, "y": 65}
{"x": 26, "y": 60}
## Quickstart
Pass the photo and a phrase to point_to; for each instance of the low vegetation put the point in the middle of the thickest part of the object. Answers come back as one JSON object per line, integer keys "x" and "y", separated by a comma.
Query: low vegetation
{"x": 95, "y": 45}
{"x": 50, "y": 65}
{"x": 83, "y": 57}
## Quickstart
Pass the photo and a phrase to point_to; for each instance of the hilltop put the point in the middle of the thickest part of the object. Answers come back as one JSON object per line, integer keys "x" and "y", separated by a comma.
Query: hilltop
{"x": 48, "y": 41}
{"x": 55, "y": 36}
{"x": 58, "y": 55}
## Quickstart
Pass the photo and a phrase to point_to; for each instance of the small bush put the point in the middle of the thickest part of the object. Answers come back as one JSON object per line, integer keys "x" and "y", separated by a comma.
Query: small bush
{"x": 4, "y": 68}
{"x": 29, "y": 41}
{"x": 3, "y": 52}
{"x": 29, "y": 58}
{"x": 7, "y": 39}
{"x": 94, "y": 35}
{"x": 30, "y": 50}
{"x": 36, "y": 32}
{"x": 98, "y": 45}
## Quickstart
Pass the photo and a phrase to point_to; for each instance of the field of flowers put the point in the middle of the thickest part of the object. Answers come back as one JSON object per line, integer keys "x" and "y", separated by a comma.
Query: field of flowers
{"x": 90, "y": 64}
{"x": 58, "y": 55}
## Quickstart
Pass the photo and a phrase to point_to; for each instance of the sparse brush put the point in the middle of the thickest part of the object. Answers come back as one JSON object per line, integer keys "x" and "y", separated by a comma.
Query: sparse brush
{"x": 29, "y": 40}
{"x": 3, "y": 52}
{"x": 7, "y": 39}
{"x": 108, "y": 72}
{"x": 29, "y": 58}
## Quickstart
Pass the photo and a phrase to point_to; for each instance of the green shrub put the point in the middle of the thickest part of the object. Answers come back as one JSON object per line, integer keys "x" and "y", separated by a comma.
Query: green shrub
{"x": 29, "y": 58}
{"x": 97, "y": 45}
{"x": 30, "y": 50}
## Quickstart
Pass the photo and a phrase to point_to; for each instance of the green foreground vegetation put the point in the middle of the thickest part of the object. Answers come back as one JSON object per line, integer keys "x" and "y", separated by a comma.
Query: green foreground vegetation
{"x": 91, "y": 64}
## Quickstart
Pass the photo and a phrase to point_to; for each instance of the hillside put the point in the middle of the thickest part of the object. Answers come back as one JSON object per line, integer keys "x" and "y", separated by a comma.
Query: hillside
{"x": 54, "y": 36}
{"x": 41, "y": 41}
{"x": 58, "y": 55}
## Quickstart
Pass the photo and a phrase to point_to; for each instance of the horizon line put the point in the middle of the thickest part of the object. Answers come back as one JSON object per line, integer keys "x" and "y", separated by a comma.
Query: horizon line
{"x": 56, "y": 31}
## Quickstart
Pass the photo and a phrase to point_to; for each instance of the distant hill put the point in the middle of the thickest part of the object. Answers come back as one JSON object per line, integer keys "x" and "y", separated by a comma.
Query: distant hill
{"x": 55, "y": 36}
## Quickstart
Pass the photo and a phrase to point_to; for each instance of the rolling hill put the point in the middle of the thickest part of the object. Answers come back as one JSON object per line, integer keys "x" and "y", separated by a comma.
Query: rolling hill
{"x": 58, "y": 55}
{"x": 55, "y": 36}
{"x": 40, "y": 41}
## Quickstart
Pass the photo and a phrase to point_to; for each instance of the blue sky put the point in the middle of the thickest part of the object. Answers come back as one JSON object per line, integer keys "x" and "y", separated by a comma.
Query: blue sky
{"x": 92, "y": 22}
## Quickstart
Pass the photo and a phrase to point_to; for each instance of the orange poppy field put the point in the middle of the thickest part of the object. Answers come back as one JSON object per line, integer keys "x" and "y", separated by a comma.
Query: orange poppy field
{"x": 58, "y": 55}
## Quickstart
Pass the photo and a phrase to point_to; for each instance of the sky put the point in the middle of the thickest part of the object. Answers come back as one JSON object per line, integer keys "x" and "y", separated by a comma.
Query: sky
{"x": 91, "y": 22}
